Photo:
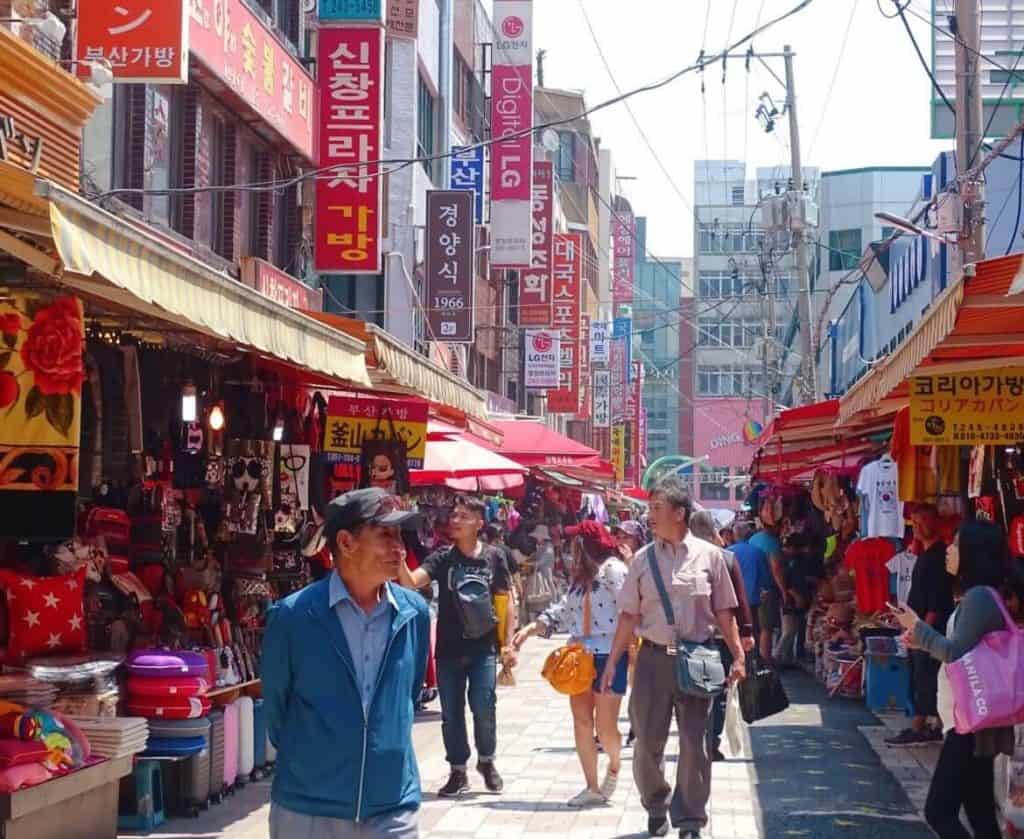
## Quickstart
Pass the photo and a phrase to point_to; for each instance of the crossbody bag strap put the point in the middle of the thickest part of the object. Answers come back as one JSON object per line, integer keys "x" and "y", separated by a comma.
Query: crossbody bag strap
{"x": 659, "y": 584}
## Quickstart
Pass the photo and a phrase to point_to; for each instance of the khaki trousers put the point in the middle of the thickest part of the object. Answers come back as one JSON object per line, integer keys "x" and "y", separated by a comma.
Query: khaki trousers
{"x": 654, "y": 699}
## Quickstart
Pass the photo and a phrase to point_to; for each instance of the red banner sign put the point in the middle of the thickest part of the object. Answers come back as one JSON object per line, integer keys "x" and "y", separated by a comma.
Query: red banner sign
{"x": 237, "y": 47}
{"x": 279, "y": 286}
{"x": 535, "y": 282}
{"x": 623, "y": 254}
{"x": 144, "y": 40}
{"x": 349, "y": 197}
{"x": 511, "y": 118}
{"x": 450, "y": 265}
{"x": 566, "y": 317}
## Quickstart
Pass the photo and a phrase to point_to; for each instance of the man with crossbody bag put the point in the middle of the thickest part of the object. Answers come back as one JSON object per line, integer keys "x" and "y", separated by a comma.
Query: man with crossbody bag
{"x": 677, "y": 591}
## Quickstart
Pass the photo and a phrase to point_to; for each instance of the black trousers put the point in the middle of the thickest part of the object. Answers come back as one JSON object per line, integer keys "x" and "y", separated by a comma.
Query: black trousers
{"x": 962, "y": 780}
{"x": 924, "y": 684}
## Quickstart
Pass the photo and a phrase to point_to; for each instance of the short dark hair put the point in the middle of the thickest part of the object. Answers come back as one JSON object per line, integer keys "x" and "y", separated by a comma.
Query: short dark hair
{"x": 474, "y": 505}
{"x": 984, "y": 559}
{"x": 492, "y": 531}
{"x": 674, "y": 492}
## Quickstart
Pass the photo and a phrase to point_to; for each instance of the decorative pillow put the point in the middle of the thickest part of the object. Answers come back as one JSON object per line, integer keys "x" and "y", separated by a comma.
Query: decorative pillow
{"x": 47, "y": 614}
{"x": 16, "y": 752}
{"x": 156, "y": 663}
{"x": 174, "y": 745}
{"x": 167, "y": 686}
{"x": 26, "y": 775}
{"x": 171, "y": 708}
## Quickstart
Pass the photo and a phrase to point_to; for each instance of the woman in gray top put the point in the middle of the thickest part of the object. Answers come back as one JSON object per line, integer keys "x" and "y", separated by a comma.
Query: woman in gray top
{"x": 964, "y": 774}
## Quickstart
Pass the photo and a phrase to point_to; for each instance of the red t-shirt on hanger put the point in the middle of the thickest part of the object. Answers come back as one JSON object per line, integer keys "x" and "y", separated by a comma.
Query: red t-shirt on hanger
{"x": 867, "y": 559}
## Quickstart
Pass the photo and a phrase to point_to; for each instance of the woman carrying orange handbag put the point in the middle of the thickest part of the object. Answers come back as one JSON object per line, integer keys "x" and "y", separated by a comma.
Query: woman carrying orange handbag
{"x": 589, "y": 614}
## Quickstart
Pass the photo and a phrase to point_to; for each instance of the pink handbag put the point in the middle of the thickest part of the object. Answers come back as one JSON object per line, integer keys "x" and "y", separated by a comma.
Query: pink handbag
{"x": 988, "y": 682}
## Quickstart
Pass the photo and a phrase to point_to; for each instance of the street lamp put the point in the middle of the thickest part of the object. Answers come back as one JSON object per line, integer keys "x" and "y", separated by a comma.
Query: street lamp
{"x": 907, "y": 226}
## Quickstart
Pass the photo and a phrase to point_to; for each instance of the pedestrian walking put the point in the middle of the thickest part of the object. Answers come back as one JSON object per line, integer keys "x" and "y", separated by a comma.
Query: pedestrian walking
{"x": 588, "y": 612}
{"x": 931, "y": 596}
{"x": 772, "y": 598}
{"x": 963, "y": 776}
{"x": 629, "y": 538}
{"x": 700, "y": 596}
{"x": 702, "y": 525}
{"x": 757, "y": 576}
{"x": 469, "y": 575}
{"x": 342, "y": 666}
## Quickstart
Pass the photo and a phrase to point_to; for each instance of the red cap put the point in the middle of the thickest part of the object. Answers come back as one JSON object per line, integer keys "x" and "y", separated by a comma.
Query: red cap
{"x": 596, "y": 537}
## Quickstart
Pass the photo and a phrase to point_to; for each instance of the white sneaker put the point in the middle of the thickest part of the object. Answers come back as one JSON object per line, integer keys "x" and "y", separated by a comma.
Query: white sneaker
{"x": 608, "y": 785}
{"x": 587, "y": 798}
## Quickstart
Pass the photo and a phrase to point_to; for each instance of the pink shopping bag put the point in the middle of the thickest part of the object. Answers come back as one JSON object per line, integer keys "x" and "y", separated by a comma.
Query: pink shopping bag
{"x": 988, "y": 682}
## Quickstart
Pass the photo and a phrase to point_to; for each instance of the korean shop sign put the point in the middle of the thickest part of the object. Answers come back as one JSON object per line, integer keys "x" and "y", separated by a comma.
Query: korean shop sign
{"x": 542, "y": 359}
{"x": 352, "y": 421}
{"x": 233, "y": 44}
{"x": 144, "y": 40}
{"x": 602, "y": 398}
{"x": 535, "y": 281}
{"x": 350, "y": 10}
{"x": 467, "y": 172}
{"x": 600, "y": 331}
{"x": 403, "y": 18}
{"x": 279, "y": 286}
{"x": 449, "y": 284}
{"x": 968, "y": 409}
{"x": 566, "y": 318}
{"x": 618, "y": 452}
{"x": 623, "y": 251}
{"x": 349, "y": 195}
{"x": 512, "y": 142}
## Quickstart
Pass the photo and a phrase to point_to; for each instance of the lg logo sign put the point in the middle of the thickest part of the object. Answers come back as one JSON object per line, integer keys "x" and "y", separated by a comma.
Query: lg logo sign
{"x": 512, "y": 26}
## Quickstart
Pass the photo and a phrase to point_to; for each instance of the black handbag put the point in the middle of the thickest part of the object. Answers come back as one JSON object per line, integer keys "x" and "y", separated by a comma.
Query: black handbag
{"x": 762, "y": 693}
{"x": 699, "y": 668}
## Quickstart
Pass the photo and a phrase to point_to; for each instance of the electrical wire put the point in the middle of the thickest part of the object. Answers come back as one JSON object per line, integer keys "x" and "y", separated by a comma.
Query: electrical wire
{"x": 1020, "y": 198}
{"x": 901, "y": 14}
{"x": 835, "y": 76}
{"x": 332, "y": 171}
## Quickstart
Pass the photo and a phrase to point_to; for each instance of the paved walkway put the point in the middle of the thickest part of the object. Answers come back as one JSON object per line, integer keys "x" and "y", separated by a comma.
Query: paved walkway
{"x": 813, "y": 773}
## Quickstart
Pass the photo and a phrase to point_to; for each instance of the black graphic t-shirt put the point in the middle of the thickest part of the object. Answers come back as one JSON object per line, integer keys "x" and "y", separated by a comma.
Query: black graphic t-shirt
{"x": 491, "y": 563}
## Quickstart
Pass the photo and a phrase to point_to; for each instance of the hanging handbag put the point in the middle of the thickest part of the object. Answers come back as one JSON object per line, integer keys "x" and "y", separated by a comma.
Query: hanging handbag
{"x": 761, "y": 694}
{"x": 699, "y": 668}
{"x": 570, "y": 669}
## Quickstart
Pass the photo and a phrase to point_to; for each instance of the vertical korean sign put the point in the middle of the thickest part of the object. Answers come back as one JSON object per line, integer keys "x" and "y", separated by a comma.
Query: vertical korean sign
{"x": 586, "y": 388}
{"x": 450, "y": 265}
{"x": 602, "y": 399}
{"x": 543, "y": 359}
{"x": 622, "y": 256}
{"x": 599, "y": 341}
{"x": 535, "y": 281}
{"x": 511, "y": 121}
{"x": 348, "y": 195}
{"x": 619, "y": 452}
{"x": 144, "y": 40}
{"x": 467, "y": 173}
{"x": 618, "y": 365}
{"x": 568, "y": 264}
{"x": 636, "y": 451}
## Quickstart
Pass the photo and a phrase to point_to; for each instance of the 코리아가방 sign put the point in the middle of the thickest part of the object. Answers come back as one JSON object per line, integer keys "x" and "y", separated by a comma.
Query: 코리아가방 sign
{"x": 968, "y": 409}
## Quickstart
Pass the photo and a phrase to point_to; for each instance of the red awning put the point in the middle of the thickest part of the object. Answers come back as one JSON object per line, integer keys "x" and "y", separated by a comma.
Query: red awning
{"x": 534, "y": 444}
{"x": 449, "y": 460}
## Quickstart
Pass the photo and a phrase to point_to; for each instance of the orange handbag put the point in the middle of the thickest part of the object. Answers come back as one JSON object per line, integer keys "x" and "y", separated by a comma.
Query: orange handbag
{"x": 570, "y": 669}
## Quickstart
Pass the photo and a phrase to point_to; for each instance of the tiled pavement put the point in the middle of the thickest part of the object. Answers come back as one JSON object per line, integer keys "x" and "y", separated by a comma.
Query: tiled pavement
{"x": 791, "y": 788}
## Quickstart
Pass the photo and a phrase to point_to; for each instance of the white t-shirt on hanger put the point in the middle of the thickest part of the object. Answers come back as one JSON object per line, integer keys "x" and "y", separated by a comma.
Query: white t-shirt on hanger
{"x": 902, "y": 565}
{"x": 878, "y": 484}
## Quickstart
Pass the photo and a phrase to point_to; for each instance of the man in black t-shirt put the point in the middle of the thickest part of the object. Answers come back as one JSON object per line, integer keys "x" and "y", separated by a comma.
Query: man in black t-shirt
{"x": 467, "y": 656}
{"x": 931, "y": 596}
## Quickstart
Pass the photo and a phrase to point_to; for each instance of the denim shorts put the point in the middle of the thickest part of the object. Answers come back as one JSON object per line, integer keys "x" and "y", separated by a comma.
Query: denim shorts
{"x": 621, "y": 680}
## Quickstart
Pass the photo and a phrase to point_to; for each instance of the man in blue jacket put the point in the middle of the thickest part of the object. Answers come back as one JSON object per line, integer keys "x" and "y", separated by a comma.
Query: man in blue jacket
{"x": 343, "y": 664}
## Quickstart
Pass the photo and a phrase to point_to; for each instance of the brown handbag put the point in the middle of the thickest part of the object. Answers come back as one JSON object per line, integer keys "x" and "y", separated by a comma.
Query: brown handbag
{"x": 570, "y": 669}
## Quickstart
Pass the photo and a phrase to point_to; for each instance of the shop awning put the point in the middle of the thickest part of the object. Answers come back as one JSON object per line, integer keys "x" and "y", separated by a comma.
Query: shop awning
{"x": 107, "y": 258}
{"x": 393, "y": 365}
{"x": 458, "y": 459}
{"x": 534, "y": 444}
{"x": 974, "y": 323}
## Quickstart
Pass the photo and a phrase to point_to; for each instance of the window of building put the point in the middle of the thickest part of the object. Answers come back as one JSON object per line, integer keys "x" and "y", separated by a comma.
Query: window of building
{"x": 356, "y": 295}
{"x": 565, "y": 161}
{"x": 218, "y": 153}
{"x": 887, "y": 231}
{"x": 729, "y": 380}
{"x": 731, "y": 237}
{"x": 283, "y": 15}
{"x": 735, "y": 332}
{"x": 715, "y": 285}
{"x": 844, "y": 249}
{"x": 713, "y": 485}
{"x": 738, "y": 196}
{"x": 426, "y": 130}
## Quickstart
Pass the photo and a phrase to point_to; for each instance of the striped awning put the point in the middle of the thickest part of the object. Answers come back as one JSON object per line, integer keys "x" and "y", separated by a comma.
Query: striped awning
{"x": 141, "y": 272}
{"x": 974, "y": 323}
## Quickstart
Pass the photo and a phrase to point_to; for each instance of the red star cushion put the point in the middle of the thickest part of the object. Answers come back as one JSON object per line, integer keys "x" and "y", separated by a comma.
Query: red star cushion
{"x": 47, "y": 614}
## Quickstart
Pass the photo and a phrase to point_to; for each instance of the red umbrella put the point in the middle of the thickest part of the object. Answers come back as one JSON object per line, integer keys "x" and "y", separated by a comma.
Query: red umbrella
{"x": 460, "y": 460}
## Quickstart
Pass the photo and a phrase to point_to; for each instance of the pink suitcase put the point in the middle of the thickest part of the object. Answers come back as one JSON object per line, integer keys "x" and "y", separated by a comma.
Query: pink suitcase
{"x": 246, "y": 733}
{"x": 230, "y": 745}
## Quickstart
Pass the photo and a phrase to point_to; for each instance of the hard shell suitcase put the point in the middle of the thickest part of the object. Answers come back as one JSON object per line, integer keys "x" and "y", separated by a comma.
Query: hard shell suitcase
{"x": 259, "y": 720}
{"x": 230, "y": 746}
{"x": 246, "y": 743}
{"x": 187, "y": 782}
{"x": 217, "y": 755}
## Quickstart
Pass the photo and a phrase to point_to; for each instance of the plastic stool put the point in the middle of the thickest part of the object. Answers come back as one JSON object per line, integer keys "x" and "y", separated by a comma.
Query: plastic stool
{"x": 141, "y": 805}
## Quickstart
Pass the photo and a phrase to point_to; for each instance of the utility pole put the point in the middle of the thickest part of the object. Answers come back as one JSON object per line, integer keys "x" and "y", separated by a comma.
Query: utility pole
{"x": 967, "y": 42}
{"x": 798, "y": 222}
{"x": 768, "y": 347}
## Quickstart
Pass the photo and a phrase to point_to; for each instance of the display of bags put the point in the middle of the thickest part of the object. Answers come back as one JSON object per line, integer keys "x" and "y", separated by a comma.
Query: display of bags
{"x": 761, "y": 694}
{"x": 987, "y": 682}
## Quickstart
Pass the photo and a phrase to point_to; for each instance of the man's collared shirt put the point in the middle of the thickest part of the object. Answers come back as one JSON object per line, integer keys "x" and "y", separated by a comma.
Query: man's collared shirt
{"x": 698, "y": 584}
{"x": 366, "y": 634}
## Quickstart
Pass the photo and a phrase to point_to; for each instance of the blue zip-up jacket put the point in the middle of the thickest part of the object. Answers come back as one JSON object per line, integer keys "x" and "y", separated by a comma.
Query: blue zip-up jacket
{"x": 333, "y": 759}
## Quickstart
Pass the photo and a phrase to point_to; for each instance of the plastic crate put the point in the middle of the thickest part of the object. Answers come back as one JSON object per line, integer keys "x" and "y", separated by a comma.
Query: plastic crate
{"x": 887, "y": 683}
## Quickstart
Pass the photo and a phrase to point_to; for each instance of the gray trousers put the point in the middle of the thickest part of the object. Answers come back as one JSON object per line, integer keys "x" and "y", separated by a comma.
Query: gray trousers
{"x": 287, "y": 824}
{"x": 654, "y": 699}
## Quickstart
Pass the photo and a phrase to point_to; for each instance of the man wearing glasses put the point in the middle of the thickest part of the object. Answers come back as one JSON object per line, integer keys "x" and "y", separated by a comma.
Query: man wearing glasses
{"x": 343, "y": 663}
{"x": 469, "y": 575}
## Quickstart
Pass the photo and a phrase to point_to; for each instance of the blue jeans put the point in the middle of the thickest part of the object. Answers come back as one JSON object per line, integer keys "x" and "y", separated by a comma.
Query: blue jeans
{"x": 480, "y": 673}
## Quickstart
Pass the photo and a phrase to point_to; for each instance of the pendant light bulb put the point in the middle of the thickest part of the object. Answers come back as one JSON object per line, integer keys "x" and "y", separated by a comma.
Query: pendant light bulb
{"x": 189, "y": 403}
{"x": 278, "y": 432}
{"x": 216, "y": 418}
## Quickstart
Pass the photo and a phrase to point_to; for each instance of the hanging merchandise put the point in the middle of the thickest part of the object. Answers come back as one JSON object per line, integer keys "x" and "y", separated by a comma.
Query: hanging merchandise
{"x": 867, "y": 559}
{"x": 291, "y": 488}
{"x": 877, "y": 487}
{"x": 976, "y": 471}
{"x": 902, "y": 565}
